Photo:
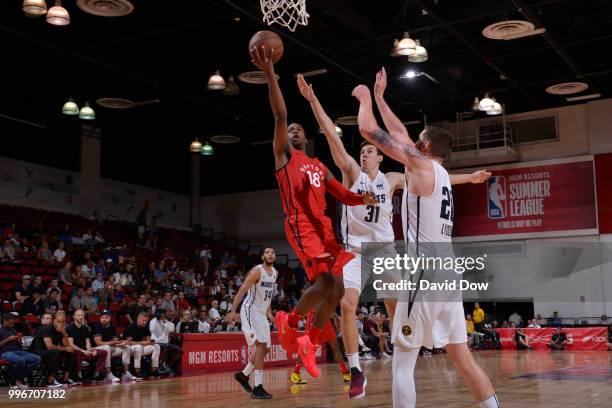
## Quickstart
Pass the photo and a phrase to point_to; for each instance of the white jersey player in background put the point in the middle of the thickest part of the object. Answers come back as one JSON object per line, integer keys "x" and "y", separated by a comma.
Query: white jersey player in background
{"x": 255, "y": 316}
{"x": 430, "y": 210}
{"x": 363, "y": 224}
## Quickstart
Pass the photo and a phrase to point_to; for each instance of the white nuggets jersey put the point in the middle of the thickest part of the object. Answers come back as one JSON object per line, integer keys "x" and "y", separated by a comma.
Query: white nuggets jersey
{"x": 259, "y": 296}
{"x": 368, "y": 223}
{"x": 429, "y": 219}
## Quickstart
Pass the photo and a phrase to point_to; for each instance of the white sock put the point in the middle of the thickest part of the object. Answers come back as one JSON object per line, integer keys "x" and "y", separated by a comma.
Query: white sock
{"x": 404, "y": 393}
{"x": 491, "y": 402}
{"x": 258, "y": 377}
{"x": 353, "y": 360}
{"x": 247, "y": 370}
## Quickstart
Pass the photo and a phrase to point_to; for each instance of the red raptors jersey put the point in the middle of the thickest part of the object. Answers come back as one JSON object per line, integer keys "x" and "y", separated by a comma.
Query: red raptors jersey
{"x": 302, "y": 185}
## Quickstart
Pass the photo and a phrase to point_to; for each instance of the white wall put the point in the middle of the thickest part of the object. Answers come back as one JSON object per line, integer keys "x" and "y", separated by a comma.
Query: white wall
{"x": 599, "y": 118}
{"x": 254, "y": 216}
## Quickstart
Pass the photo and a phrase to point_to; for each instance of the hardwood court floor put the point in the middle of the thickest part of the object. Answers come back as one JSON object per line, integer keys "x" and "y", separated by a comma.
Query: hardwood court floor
{"x": 522, "y": 379}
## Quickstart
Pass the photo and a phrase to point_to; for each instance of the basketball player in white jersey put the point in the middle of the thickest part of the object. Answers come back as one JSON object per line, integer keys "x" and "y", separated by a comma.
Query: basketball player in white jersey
{"x": 429, "y": 213}
{"x": 255, "y": 316}
{"x": 363, "y": 224}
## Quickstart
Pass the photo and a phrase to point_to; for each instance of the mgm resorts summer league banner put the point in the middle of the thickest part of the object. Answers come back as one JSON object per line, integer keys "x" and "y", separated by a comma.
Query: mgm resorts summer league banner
{"x": 547, "y": 199}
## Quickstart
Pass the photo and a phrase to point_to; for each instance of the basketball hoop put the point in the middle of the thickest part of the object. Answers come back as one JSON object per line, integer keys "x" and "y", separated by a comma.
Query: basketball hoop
{"x": 288, "y": 13}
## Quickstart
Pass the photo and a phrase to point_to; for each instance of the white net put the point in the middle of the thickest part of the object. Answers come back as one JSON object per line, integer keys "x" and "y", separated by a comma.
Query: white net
{"x": 288, "y": 13}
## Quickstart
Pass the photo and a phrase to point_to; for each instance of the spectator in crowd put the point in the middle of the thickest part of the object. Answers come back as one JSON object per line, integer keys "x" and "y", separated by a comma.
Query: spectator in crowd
{"x": 558, "y": 340}
{"x": 9, "y": 253}
{"x": 106, "y": 338}
{"x": 90, "y": 304}
{"x": 98, "y": 283}
{"x": 88, "y": 269}
{"x": 372, "y": 328}
{"x": 123, "y": 277}
{"x": 138, "y": 308}
{"x": 25, "y": 289}
{"x": 605, "y": 320}
{"x": 44, "y": 253}
{"x": 186, "y": 316}
{"x": 555, "y": 321}
{"x": 181, "y": 302}
{"x": 539, "y": 320}
{"x": 161, "y": 330}
{"x": 34, "y": 304}
{"x": 521, "y": 339}
{"x": 533, "y": 324}
{"x": 472, "y": 335}
{"x": 77, "y": 300}
{"x": 167, "y": 303}
{"x": 79, "y": 339}
{"x": 101, "y": 268}
{"x": 478, "y": 315}
{"x": 516, "y": 319}
{"x": 59, "y": 254}
{"x": 52, "y": 303}
{"x": 505, "y": 324}
{"x": 65, "y": 274}
{"x": 22, "y": 362}
{"x": 38, "y": 284}
{"x": 139, "y": 337}
{"x": 203, "y": 325}
{"x": 213, "y": 313}
{"x": 491, "y": 338}
{"x": 53, "y": 285}
{"x": 226, "y": 304}
{"x": 51, "y": 344}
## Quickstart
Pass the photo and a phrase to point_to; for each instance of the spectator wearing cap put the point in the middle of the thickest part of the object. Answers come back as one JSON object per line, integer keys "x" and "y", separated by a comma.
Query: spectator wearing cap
{"x": 24, "y": 289}
{"x": 22, "y": 362}
{"x": 34, "y": 304}
{"x": 106, "y": 338}
{"x": 59, "y": 254}
{"x": 138, "y": 336}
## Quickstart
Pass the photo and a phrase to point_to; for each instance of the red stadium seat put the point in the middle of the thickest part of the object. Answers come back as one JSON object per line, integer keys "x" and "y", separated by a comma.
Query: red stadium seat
{"x": 7, "y": 307}
{"x": 31, "y": 319}
{"x": 114, "y": 307}
{"x": 93, "y": 318}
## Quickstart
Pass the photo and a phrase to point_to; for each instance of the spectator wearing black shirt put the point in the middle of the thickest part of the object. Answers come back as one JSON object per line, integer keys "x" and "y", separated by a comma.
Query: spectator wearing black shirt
{"x": 137, "y": 308}
{"x": 521, "y": 339}
{"x": 79, "y": 339}
{"x": 106, "y": 338}
{"x": 24, "y": 289}
{"x": 52, "y": 304}
{"x": 139, "y": 338}
{"x": 33, "y": 305}
{"x": 51, "y": 344}
{"x": 558, "y": 341}
{"x": 22, "y": 362}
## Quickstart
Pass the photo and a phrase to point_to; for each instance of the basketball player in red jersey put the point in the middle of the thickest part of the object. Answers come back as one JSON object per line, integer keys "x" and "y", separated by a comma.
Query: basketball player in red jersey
{"x": 303, "y": 182}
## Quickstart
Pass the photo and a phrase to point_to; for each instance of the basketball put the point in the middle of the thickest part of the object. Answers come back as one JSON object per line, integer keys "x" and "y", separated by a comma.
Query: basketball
{"x": 270, "y": 40}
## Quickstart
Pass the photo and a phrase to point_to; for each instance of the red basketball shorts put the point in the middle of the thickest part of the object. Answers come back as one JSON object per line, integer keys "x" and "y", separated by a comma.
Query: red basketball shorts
{"x": 311, "y": 237}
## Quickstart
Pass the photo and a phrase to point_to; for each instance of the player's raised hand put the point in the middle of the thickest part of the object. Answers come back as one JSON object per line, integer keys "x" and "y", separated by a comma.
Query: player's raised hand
{"x": 369, "y": 198}
{"x": 362, "y": 93}
{"x": 305, "y": 89}
{"x": 479, "y": 176}
{"x": 381, "y": 83}
{"x": 262, "y": 59}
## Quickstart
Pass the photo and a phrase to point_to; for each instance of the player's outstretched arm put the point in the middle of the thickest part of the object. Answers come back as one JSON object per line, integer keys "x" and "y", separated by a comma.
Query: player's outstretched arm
{"x": 405, "y": 153}
{"x": 251, "y": 279}
{"x": 344, "y": 161}
{"x": 346, "y": 196}
{"x": 396, "y": 181}
{"x": 477, "y": 177}
{"x": 262, "y": 59}
{"x": 393, "y": 124}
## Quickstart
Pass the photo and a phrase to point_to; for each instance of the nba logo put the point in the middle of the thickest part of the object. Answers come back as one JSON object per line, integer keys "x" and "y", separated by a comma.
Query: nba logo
{"x": 496, "y": 197}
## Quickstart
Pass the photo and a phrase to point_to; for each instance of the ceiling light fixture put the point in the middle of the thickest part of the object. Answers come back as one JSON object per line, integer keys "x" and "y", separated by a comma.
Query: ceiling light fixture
{"x": 406, "y": 46}
{"x": 412, "y": 74}
{"x": 34, "y": 7}
{"x": 216, "y": 82}
{"x": 486, "y": 104}
{"x": 70, "y": 108}
{"x": 419, "y": 54}
{"x": 338, "y": 129}
{"x": 58, "y": 15}
{"x": 195, "y": 146}
{"x": 87, "y": 113}
{"x": 496, "y": 109}
{"x": 207, "y": 150}
{"x": 583, "y": 97}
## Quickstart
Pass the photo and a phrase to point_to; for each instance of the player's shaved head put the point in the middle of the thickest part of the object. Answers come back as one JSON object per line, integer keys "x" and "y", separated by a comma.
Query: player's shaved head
{"x": 435, "y": 141}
